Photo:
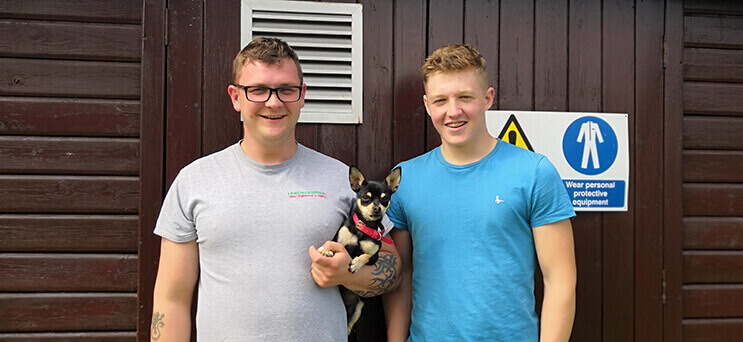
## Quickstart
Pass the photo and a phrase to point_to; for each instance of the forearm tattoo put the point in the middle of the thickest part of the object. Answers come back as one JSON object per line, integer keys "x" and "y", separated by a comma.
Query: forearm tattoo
{"x": 157, "y": 323}
{"x": 384, "y": 275}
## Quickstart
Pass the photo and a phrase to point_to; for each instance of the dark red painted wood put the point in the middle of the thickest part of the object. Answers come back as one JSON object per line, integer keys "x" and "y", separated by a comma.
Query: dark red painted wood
{"x": 713, "y": 132}
{"x": 648, "y": 142}
{"x": 713, "y": 301}
{"x": 672, "y": 175}
{"x": 721, "y": 65}
{"x": 69, "y": 233}
{"x": 221, "y": 125}
{"x": 618, "y": 96}
{"x": 374, "y": 144}
{"x": 712, "y": 330}
{"x": 584, "y": 94}
{"x": 516, "y": 69}
{"x": 69, "y": 194}
{"x": 481, "y": 26}
{"x": 84, "y": 10}
{"x": 57, "y": 78}
{"x": 445, "y": 26}
{"x": 102, "y": 156}
{"x": 551, "y": 55}
{"x": 713, "y": 267}
{"x": 713, "y": 31}
{"x": 183, "y": 86}
{"x": 43, "y": 39}
{"x": 66, "y": 272}
{"x": 42, "y": 312}
{"x": 713, "y": 98}
{"x": 713, "y": 233}
{"x": 707, "y": 199}
{"x": 151, "y": 157}
{"x": 409, "y": 116}
{"x": 713, "y": 166}
{"x": 124, "y": 336}
{"x": 64, "y": 117}
{"x": 713, "y": 7}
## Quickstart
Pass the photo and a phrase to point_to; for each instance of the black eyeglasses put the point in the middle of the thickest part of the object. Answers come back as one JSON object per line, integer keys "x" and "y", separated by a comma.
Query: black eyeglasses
{"x": 261, "y": 94}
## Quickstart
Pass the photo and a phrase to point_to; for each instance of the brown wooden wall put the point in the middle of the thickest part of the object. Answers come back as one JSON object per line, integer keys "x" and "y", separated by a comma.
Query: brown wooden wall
{"x": 69, "y": 169}
{"x": 102, "y": 102}
{"x": 713, "y": 171}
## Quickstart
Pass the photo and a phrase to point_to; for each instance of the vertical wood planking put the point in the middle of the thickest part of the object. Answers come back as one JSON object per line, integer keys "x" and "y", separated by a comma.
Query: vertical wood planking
{"x": 516, "y": 70}
{"x": 183, "y": 121}
{"x": 551, "y": 55}
{"x": 673, "y": 113}
{"x": 648, "y": 143}
{"x": 445, "y": 26}
{"x": 618, "y": 96}
{"x": 409, "y": 114}
{"x": 374, "y": 152}
{"x": 584, "y": 95}
{"x": 481, "y": 24}
{"x": 221, "y": 123}
{"x": 151, "y": 156}
{"x": 550, "y": 73}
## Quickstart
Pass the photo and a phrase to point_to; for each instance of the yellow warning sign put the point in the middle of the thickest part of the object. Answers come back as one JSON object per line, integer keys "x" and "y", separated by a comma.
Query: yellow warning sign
{"x": 513, "y": 134}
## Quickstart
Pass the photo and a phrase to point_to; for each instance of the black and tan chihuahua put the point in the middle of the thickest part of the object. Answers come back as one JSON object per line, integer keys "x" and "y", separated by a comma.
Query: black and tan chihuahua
{"x": 362, "y": 232}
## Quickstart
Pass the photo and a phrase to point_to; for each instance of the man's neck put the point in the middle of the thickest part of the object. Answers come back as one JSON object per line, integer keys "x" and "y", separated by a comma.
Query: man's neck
{"x": 268, "y": 154}
{"x": 468, "y": 154}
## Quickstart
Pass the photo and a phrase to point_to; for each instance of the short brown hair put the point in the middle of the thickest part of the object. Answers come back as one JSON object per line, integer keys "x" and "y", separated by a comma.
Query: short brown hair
{"x": 266, "y": 50}
{"x": 455, "y": 57}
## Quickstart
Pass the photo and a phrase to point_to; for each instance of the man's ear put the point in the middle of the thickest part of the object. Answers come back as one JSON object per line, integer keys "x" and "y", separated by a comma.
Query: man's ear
{"x": 234, "y": 93}
{"x": 425, "y": 104}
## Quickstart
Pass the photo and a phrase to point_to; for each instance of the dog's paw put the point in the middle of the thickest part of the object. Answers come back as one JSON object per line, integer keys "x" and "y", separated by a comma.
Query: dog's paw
{"x": 356, "y": 265}
{"x": 328, "y": 254}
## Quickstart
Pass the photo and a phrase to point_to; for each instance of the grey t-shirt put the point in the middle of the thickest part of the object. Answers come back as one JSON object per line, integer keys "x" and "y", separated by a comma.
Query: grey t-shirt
{"x": 254, "y": 225}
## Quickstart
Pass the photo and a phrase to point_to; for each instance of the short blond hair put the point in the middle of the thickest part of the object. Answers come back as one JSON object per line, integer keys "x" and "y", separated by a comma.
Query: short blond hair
{"x": 266, "y": 50}
{"x": 452, "y": 58}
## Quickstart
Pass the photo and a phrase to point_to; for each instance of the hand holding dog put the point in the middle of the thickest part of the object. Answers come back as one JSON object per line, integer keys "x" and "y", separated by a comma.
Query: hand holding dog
{"x": 330, "y": 271}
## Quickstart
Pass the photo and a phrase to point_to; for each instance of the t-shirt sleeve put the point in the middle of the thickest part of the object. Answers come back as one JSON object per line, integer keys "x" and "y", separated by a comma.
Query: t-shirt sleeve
{"x": 550, "y": 200}
{"x": 176, "y": 222}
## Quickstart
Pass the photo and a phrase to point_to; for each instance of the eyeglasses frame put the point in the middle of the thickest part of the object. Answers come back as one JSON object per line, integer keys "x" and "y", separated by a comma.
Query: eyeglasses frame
{"x": 271, "y": 92}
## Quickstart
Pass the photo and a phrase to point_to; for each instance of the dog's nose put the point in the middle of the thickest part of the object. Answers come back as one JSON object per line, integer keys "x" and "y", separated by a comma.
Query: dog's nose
{"x": 377, "y": 209}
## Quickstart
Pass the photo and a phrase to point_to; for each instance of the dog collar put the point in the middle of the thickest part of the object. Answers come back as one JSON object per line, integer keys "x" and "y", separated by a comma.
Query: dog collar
{"x": 371, "y": 232}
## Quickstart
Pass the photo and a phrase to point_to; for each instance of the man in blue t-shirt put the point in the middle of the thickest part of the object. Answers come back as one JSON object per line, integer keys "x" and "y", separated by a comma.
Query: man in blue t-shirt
{"x": 472, "y": 219}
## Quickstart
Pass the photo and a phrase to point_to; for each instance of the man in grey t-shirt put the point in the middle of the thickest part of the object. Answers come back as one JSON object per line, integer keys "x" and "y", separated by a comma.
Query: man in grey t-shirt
{"x": 238, "y": 223}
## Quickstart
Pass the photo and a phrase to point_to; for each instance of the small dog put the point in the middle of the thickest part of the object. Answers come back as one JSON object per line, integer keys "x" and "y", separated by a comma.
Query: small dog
{"x": 361, "y": 233}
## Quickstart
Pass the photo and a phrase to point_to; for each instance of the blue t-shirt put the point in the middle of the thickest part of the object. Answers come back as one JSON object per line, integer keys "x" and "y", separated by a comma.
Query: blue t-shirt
{"x": 473, "y": 250}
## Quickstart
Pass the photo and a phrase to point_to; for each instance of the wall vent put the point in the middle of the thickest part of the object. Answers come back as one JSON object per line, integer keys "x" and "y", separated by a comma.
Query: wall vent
{"x": 328, "y": 40}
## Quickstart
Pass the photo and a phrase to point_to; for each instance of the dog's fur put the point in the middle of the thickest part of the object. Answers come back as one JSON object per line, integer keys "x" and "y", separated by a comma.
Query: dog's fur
{"x": 372, "y": 201}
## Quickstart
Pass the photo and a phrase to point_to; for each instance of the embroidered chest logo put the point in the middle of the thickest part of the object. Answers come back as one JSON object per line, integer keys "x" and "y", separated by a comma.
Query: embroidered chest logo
{"x": 498, "y": 200}
{"x": 307, "y": 194}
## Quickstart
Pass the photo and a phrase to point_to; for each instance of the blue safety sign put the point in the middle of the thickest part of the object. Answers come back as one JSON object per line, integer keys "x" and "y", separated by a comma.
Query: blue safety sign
{"x": 589, "y": 150}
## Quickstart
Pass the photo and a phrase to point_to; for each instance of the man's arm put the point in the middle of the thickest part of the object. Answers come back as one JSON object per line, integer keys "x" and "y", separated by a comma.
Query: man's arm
{"x": 176, "y": 279}
{"x": 398, "y": 303}
{"x": 556, "y": 254}
{"x": 369, "y": 281}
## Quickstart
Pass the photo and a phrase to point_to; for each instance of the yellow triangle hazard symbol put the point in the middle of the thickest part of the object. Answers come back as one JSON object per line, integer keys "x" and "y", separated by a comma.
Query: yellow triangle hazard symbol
{"x": 513, "y": 134}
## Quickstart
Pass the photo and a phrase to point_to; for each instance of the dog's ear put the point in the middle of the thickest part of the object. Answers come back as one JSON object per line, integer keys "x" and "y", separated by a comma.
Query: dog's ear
{"x": 356, "y": 178}
{"x": 393, "y": 180}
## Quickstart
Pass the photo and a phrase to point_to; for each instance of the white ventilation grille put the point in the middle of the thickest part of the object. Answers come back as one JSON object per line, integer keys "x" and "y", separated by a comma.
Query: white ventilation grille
{"x": 327, "y": 39}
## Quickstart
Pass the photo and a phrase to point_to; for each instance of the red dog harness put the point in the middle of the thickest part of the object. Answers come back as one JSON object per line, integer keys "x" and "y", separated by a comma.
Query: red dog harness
{"x": 371, "y": 232}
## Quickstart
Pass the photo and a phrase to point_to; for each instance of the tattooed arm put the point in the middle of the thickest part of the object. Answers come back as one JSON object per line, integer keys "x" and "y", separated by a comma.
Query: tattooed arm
{"x": 369, "y": 281}
{"x": 176, "y": 279}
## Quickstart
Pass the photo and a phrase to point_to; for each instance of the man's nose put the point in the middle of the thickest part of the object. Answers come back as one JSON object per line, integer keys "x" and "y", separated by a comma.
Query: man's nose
{"x": 273, "y": 100}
